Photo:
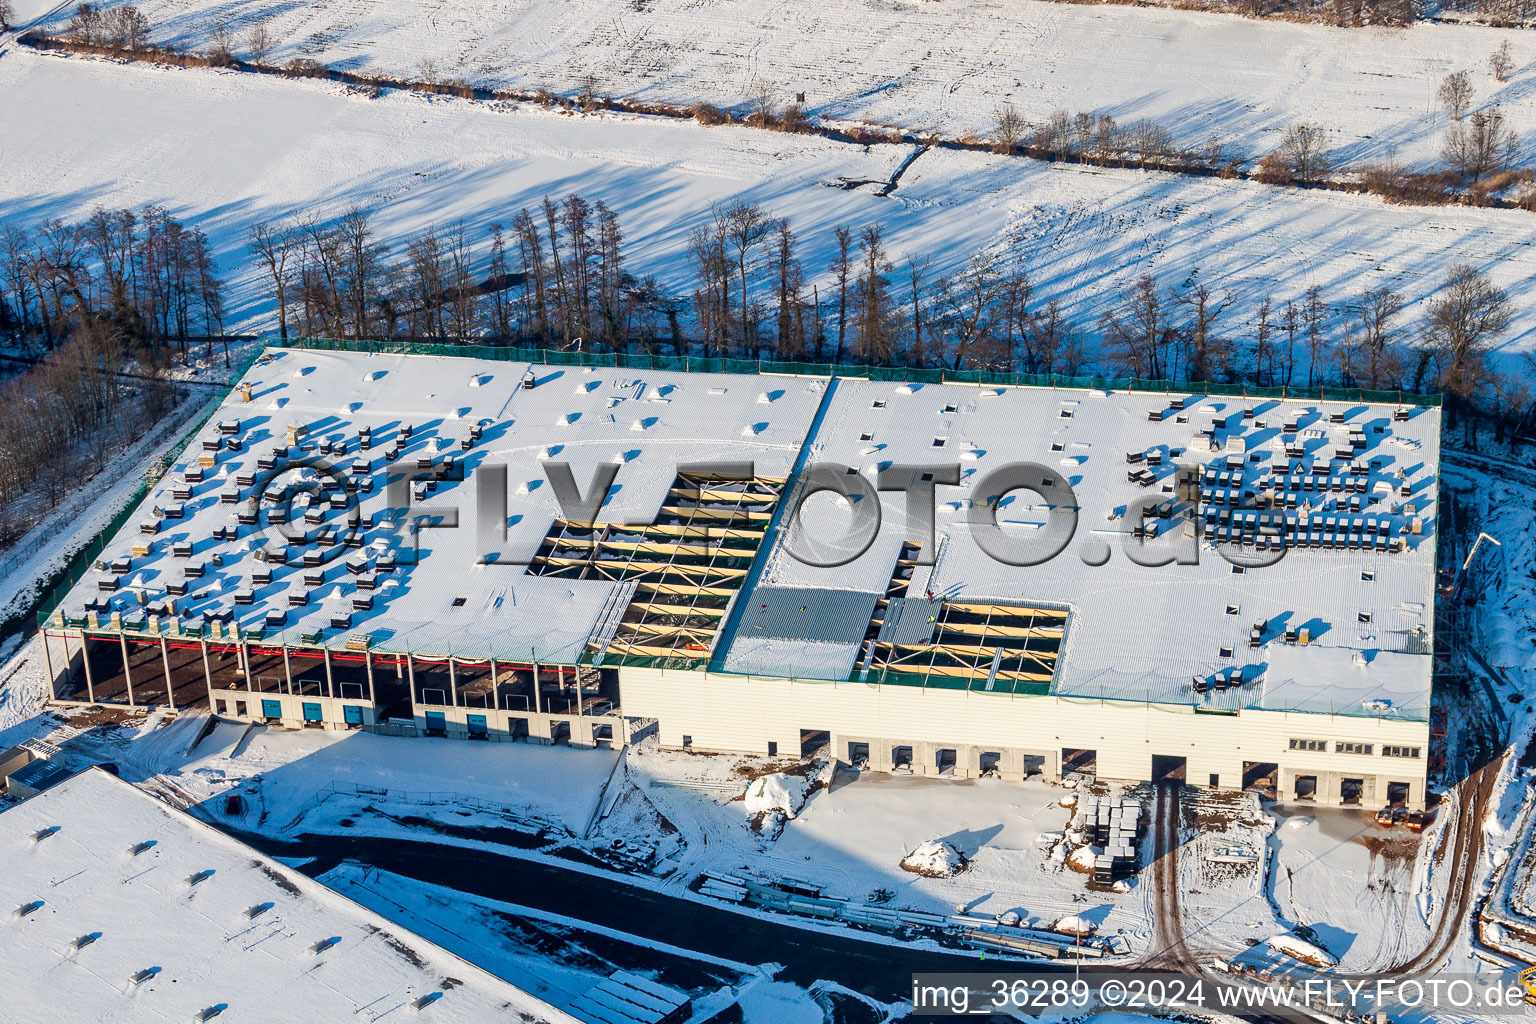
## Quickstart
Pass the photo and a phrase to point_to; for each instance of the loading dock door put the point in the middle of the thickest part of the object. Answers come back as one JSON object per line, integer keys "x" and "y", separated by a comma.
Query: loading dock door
{"x": 1167, "y": 768}
{"x": 271, "y": 709}
{"x": 1079, "y": 760}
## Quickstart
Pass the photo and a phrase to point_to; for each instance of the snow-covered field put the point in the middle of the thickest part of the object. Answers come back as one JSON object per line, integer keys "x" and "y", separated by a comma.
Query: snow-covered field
{"x": 226, "y": 151}
{"x": 918, "y": 65}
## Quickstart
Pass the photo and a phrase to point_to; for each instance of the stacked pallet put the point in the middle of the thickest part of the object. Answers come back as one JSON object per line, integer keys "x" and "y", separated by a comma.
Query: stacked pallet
{"x": 1112, "y": 824}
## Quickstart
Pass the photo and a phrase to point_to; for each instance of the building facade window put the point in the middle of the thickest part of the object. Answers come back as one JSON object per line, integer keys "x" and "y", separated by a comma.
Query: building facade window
{"x": 1309, "y": 745}
{"x": 1352, "y": 748}
{"x": 1394, "y": 751}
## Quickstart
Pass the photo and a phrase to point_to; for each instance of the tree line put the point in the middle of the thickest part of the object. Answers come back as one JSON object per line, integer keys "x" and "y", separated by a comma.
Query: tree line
{"x": 137, "y": 284}
{"x": 141, "y": 279}
{"x": 558, "y": 277}
{"x": 92, "y": 314}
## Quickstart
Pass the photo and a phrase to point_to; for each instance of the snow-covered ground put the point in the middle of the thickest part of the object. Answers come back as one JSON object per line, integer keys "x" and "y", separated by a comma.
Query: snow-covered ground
{"x": 226, "y": 151}
{"x": 851, "y": 837}
{"x": 918, "y": 65}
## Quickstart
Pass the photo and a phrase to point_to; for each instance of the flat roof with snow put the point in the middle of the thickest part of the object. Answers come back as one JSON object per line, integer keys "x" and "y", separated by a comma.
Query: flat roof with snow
{"x": 1342, "y": 623}
{"x": 458, "y": 413}
{"x": 120, "y": 907}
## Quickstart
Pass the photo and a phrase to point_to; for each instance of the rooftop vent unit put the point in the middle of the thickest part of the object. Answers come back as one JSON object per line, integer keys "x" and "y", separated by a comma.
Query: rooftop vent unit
{"x": 254, "y": 911}
{"x": 422, "y": 1002}
{"x": 81, "y": 941}
{"x": 138, "y": 848}
{"x": 140, "y": 977}
{"x": 276, "y": 618}
{"x": 207, "y": 1013}
{"x": 27, "y": 908}
{"x": 298, "y": 598}
{"x": 317, "y": 948}
{"x": 43, "y": 833}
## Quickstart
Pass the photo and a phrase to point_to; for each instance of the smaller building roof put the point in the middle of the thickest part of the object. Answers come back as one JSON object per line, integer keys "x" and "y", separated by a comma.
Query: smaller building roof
{"x": 38, "y": 775}
{"x": 125, "y": 908}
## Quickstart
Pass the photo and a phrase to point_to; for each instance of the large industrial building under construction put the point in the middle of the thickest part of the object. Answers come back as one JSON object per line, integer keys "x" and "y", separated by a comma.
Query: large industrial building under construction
{"x": 388, "y": 542}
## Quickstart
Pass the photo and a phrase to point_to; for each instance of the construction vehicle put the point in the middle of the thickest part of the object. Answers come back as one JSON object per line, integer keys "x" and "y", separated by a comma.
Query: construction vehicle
{"x": 1384, "y": 817}
{"x": 1461, "y": 577}
{"x": 1527, "y": 979}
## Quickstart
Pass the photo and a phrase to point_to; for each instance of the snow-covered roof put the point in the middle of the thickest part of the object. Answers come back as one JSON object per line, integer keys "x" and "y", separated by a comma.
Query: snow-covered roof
{"x": 1138, "y": 633}
{"x": 140, "y": 911}
{"x": 1131, "y": 632}
{"x": 649, "y": 422}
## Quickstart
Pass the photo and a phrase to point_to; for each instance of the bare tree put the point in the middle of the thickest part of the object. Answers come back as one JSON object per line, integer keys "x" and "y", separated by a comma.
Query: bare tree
{"x": 1207, "y": 351}
{"x": 1314, "y": 319}
{"x": 791, "y": 293}
{"x": 842, "y": 269}
{"x": 1481, "y": 144}
{"x": 274, "y": 246}
{"x": 259, "y": 41}
{"x": 1136, "y": 330}
{"x": 127, "y": 27}
{"x": 1467, "y": 317}
{"x": 1290, "y": 323}
{"x": 747, "y": 227}
{"x": 876, "y": 341}
{"x": 1304, "y": 148}
{"x": 1264, "y": 343}
{"x": 1106, "y": 139}
{"x": 762, "y": 110}
{"x": 361, "y": 258}
{"x": 1375, "y": 313}
{"x": 1455, "y": 94}
{"x": 1150, "y": 141}
{"x": 916, "y": 269}
{"x": 1501, "y": 62}
{"x": 1010, "y": 128}
{"x": 221, "y": 44}
{"x": 7, "y": 15}
{"x": 964, "y": 307}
